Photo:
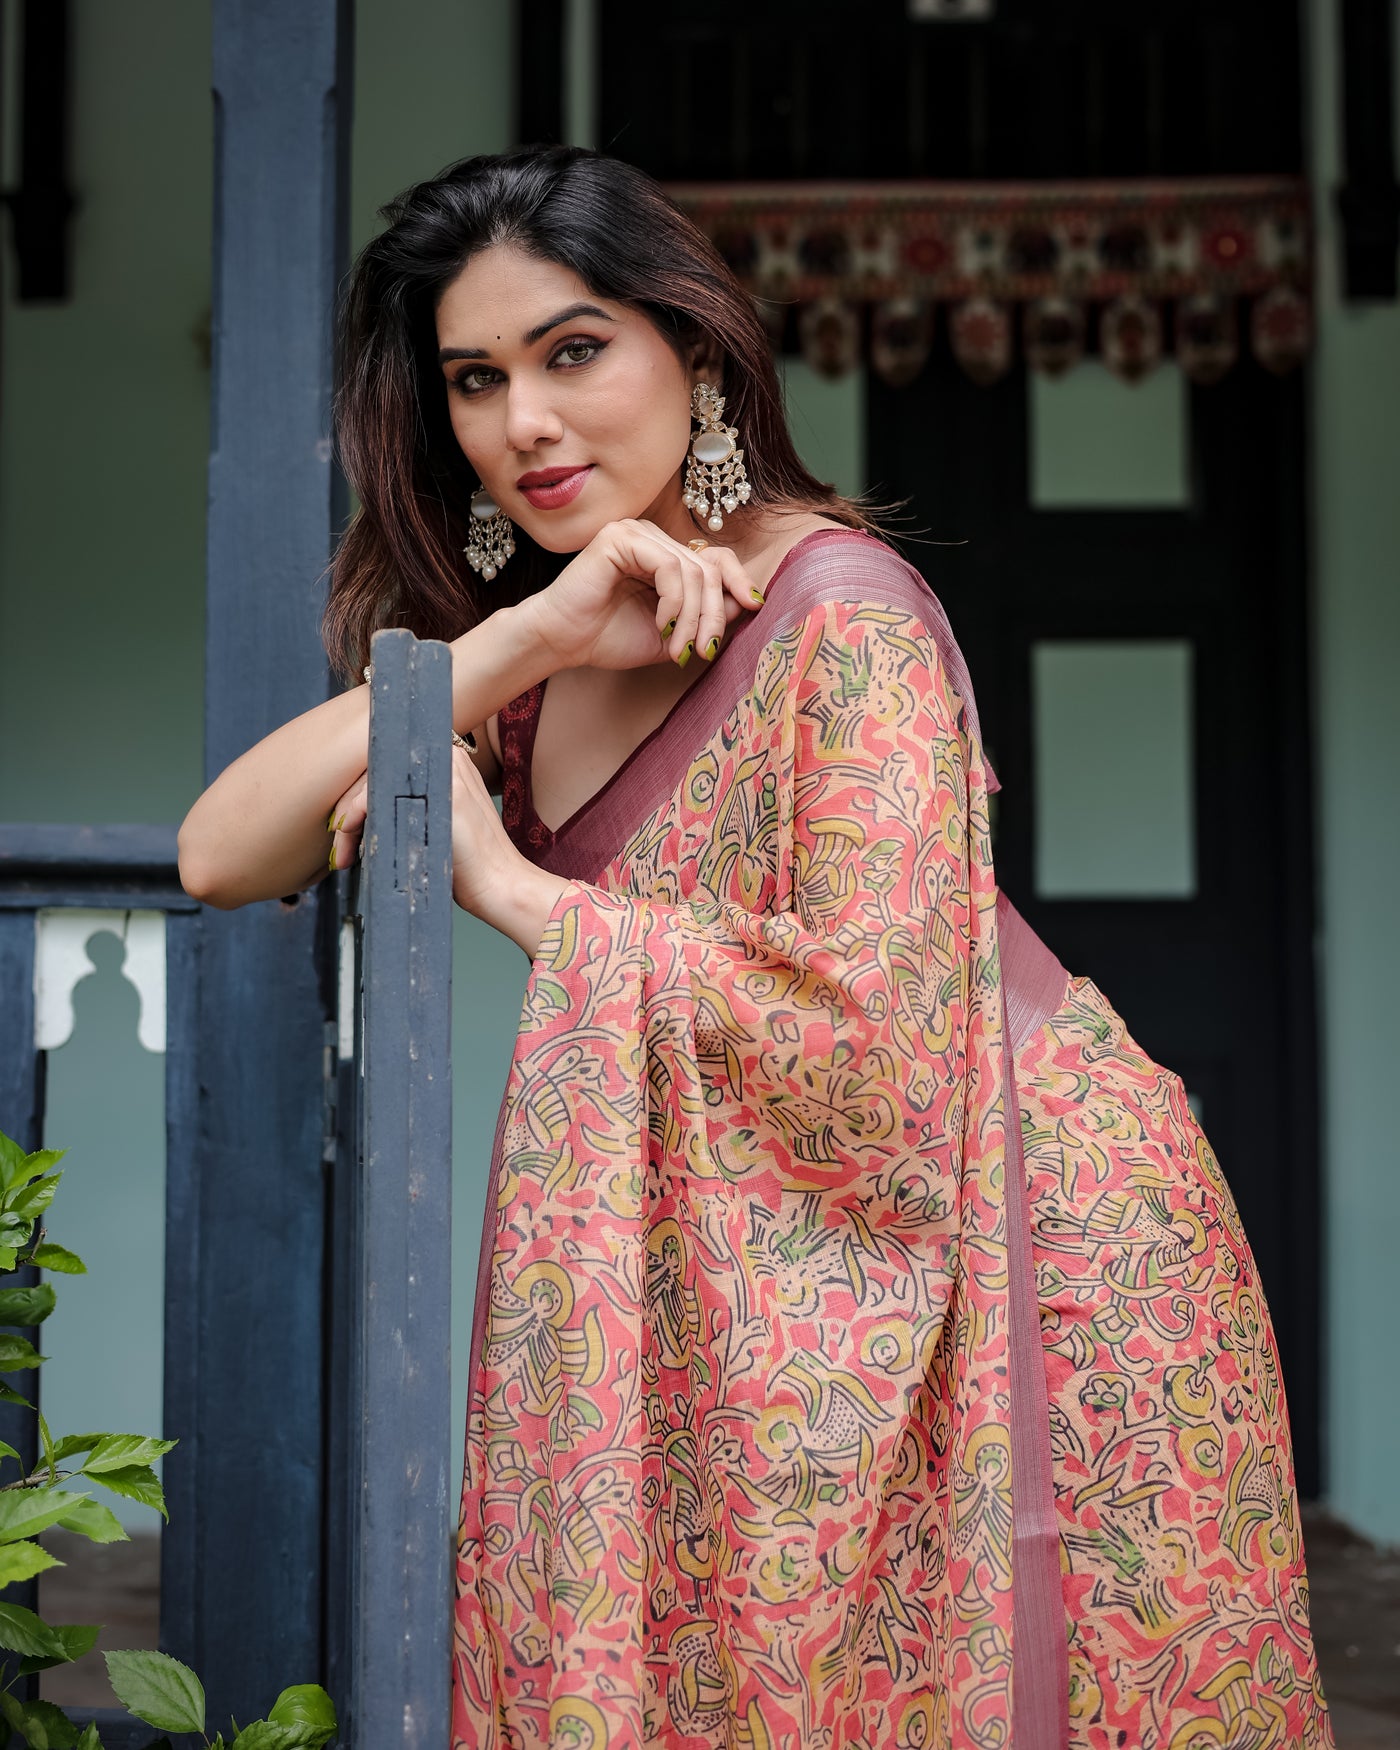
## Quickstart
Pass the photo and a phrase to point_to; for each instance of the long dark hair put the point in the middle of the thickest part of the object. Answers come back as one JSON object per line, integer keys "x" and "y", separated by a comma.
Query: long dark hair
{"x": 400, "y": 562}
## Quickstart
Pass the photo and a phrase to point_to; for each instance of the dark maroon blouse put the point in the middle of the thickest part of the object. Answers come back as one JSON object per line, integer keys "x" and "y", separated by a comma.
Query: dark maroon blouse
{"x": 516, "y": 724}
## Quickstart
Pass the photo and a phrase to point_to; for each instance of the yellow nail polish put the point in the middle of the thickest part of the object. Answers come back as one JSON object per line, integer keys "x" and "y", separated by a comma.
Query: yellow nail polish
{"x": 712, "y": 649}
{"x": 684, "y": 656}
{"x": 756, "y": 595}
{"x": 668, "y": 628}
{"x": 330, "y": 823}
{"x": 330, "y": 861}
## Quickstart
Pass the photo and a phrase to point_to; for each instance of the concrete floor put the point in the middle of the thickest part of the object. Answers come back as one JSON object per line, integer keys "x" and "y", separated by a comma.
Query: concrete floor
{"x": 1356, "y": 1628}
{"x": 1355, "y": 1614}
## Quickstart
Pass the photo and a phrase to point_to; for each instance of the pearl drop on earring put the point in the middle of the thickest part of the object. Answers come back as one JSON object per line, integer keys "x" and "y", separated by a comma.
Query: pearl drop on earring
{"x": 493, "y": 537}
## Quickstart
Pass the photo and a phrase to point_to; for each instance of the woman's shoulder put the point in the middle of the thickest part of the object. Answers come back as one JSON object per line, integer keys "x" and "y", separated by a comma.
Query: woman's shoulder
{"x": 883, "y": 597}
{"x": 831, "y": 563}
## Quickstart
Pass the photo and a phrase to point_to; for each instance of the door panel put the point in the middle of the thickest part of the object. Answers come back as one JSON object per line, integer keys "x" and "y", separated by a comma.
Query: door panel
{"x": 1216, "y": 983}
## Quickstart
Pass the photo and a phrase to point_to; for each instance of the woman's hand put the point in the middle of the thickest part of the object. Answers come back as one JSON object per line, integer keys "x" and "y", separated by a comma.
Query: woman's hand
{"x": 634, "y": 596}
{"x": 263, "y": 827}
{"x": 347, "y": 823}
{"x": 490, "y": 878}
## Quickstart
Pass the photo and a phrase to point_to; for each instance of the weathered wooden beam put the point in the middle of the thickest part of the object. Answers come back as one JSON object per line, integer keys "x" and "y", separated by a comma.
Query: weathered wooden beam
{"x": 246, "y": 1387}
{"x": 400, "y": 1374}
{"x": 111, "y": 867}
{"x": 181, "y": 1553}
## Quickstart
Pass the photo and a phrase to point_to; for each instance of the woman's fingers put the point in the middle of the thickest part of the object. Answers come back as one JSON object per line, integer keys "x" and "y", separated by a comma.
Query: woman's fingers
{"x": 699, "y": 591}
{"x": 726, "y": 592}
{"x": 678, "y": 580}
{"x": 714, "y": 621}
{"x": 346, "y": 823}
{"x": 738, "y": 585}
{"x": 689, "y": 633}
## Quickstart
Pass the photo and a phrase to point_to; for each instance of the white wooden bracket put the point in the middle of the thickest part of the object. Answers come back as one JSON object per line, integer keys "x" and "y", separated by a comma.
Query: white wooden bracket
{"x": 61, "y": 959}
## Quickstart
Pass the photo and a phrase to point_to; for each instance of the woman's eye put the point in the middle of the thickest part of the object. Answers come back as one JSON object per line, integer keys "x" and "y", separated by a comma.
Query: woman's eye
{"x": 579, "y": 352}
{"x": 570, "y": 355}
{"x": 474, "y": 381}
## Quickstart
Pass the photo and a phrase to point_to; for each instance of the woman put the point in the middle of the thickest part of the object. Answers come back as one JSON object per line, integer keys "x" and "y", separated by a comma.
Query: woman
{"x": 811, "y": 1404}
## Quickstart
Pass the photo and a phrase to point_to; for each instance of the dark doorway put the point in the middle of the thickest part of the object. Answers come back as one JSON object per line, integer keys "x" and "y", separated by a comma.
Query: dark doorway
{"x": 1215, "y": 981}
{"x": 1214, "y": 976}
{"x": 824, "y": 88}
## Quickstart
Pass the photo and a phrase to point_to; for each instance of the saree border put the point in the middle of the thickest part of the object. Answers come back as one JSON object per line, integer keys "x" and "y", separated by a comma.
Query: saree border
{"x": 1034, "y": 985}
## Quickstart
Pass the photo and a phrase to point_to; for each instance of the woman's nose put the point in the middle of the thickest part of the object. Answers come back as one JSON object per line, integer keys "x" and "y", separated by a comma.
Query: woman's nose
{"x": 530, "y": 419}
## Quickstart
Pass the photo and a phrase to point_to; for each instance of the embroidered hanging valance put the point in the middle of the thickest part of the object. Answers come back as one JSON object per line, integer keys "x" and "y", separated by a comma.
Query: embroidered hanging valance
{"x": 1157, "y": 263}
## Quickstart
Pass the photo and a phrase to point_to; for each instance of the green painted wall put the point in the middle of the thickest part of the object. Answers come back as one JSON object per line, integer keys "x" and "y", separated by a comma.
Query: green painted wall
{"x": 103, "y": 460}
{"x": 1356, "y": 449}
{"x": 104, "y": 442}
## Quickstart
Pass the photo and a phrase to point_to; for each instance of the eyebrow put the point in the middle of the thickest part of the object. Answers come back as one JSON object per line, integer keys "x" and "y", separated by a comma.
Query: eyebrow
{"x": 447, "y": 353}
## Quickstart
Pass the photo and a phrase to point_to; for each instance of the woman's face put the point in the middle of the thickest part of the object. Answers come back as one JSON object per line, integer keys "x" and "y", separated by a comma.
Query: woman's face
{"x": 572, "y": 409}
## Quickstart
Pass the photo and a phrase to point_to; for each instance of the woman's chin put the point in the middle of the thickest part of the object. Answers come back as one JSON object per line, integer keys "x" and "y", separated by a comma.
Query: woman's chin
{"x": 558, "y": 532}
{"x": 558, "y": 537}
{"x": 571, "y": 528}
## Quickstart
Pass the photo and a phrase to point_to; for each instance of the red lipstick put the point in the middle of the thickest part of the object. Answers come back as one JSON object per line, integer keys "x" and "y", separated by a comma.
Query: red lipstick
{"x": 551, "y": 488}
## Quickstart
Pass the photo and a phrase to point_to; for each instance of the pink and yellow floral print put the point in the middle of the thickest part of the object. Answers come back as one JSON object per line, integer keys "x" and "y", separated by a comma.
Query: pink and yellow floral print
{"x": 739, "y": 1460}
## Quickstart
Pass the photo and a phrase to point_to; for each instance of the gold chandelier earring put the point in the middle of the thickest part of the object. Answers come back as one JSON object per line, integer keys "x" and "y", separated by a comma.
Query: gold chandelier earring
{"x": 715, "y": 481}
{"x": 492, "y": 535}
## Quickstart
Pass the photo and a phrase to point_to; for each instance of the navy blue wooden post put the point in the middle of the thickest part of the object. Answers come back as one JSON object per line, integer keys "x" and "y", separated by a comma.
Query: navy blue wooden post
{"x": 254, "y": 1281}
{"x": 398, "y": 1387}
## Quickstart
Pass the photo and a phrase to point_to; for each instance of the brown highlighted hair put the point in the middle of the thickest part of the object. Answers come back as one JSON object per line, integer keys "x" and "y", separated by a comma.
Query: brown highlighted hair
{"x": 400, "y": 562}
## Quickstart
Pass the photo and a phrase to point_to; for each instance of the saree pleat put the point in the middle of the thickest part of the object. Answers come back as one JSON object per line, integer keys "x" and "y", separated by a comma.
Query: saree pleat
{"x": 781, "y": 1431}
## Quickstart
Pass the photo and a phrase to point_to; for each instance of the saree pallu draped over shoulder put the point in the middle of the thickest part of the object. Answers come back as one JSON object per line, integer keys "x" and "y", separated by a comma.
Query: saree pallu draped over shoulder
{"x": 814, "y": 1406}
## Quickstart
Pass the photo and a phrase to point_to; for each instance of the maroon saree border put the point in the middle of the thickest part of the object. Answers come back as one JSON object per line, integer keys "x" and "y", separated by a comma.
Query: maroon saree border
{"x": 829, "y": 565}
{"x": 1033, "y": 986}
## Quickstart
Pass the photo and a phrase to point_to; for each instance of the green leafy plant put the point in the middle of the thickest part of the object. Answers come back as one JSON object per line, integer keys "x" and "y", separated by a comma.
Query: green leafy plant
{"x": 155, "y": 1688}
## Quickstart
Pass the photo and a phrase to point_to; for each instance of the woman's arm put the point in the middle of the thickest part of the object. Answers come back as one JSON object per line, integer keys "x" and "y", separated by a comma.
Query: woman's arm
{"x": 633, "y": 596}
{"x": 261, "y": 828}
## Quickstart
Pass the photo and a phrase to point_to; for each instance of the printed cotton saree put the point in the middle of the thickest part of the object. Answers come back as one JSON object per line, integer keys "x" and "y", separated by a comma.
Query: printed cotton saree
{"x": 767, "y": 1446}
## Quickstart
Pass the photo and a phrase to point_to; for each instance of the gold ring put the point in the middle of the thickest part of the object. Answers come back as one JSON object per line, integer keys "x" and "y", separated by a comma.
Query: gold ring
{"x": 698, "y": 545}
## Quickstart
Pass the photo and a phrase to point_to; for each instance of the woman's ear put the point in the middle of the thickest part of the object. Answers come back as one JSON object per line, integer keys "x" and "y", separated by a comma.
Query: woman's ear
{"x": 706, "y": 362}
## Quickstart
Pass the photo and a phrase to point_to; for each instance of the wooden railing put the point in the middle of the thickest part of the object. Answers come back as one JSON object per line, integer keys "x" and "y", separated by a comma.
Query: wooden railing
{"x": 59, "y": 885}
